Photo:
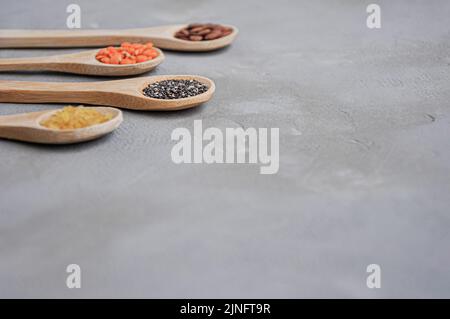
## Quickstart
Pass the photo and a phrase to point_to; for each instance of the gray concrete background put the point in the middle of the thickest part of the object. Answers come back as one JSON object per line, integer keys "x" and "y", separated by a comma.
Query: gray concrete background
{"x": 364, "y": 162}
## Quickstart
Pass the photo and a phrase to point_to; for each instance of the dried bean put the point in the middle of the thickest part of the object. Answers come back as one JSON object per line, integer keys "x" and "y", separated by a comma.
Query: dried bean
{"x": 213, "y": 35}
{"x": 197, "y": 29}
{"x": 203, "y": 32}
{"x": 196, "y": 38}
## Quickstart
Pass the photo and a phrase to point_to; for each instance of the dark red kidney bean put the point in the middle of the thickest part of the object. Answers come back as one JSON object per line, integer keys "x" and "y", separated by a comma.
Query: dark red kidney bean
{"x": 213, "y": 35}
{"x": 203, "y": 32}
{"x": 196, "y": 38}
{"x": 197, "y": 29}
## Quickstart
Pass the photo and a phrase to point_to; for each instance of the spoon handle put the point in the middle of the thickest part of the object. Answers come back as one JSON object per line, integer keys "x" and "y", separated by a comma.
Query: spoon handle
{"x": 33, "y": 64}
{"x": 59, "y": 38}
{"x": 80, "y": 38}
{"x": 42, "y": 92}
{"x": 18, "y": 119}
{"x": 19, "y": 126}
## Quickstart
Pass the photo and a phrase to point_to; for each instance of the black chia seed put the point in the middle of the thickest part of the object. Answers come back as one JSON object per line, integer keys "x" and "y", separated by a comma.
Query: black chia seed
{"x": 175, "y": 89}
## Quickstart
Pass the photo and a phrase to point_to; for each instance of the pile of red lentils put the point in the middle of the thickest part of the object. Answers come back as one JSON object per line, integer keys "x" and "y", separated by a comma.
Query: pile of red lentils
{"x": 127, "y": 53}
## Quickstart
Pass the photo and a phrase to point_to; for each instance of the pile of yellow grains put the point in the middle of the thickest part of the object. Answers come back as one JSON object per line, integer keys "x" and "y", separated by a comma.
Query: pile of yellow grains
{"x": 71, "y": 117}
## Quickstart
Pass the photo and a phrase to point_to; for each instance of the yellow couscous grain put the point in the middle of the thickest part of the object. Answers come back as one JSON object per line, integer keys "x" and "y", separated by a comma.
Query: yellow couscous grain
{"x": 71, "y": 117}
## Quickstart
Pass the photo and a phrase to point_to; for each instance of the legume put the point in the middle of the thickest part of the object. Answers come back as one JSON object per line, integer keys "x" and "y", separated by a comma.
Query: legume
{"x": 127, "y": 53}
{"x": 203, "y": 32}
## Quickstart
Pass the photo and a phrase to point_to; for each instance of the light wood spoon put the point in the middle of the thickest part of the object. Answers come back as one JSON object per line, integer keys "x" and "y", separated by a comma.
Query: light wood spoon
{"x": 79, "y": 63}
{"x": 26, "y": 127}
{"x": 162, "y": 37}
{"x": 126, "y": 93}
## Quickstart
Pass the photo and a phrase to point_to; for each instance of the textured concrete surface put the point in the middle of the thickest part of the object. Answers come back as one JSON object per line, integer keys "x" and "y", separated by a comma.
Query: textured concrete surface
{"x": 364, "y": 162}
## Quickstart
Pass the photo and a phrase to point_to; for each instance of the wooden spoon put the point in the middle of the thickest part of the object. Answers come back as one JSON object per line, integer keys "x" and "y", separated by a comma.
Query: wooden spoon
{"x": 79, "y": 63}
{"x": 26, "y": 127}
{"x": 162, "y": 37}
{"x": 126, "y": 93}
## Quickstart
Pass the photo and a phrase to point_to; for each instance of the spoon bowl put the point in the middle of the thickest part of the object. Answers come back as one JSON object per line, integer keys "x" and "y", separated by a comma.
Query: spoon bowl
{"x": 177, "y": 104}
{"x": 127, "y": 93}
{"x": 161, "y": 36}
{"x": 167, "y": 40}
{"x": 27, "y": 127}
{"x": 79, "y": 63}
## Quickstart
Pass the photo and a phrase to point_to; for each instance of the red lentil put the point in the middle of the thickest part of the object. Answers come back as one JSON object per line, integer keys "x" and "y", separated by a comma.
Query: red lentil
{"x": 127, "y": 53}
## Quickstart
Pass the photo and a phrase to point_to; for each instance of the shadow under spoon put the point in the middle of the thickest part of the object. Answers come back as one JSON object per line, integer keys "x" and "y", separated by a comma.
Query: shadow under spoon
{"x": 79, "y": 63}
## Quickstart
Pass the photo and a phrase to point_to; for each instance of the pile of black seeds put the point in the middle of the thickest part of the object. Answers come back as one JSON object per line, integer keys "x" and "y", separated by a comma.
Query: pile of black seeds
{"x": 175, "y": 89}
